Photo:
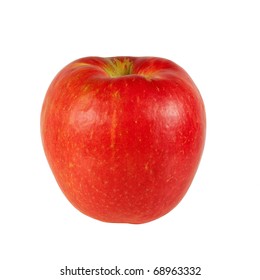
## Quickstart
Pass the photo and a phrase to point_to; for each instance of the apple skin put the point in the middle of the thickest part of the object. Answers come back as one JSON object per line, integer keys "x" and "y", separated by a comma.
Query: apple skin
{"x": 123, "y": 136}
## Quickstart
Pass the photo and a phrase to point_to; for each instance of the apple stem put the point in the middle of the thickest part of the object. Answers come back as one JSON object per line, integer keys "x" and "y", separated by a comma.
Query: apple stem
{"x": 117, "y": 67}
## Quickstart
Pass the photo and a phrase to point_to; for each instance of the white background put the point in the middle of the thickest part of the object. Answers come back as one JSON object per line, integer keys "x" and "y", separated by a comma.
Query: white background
{"x": 216, "y": 226}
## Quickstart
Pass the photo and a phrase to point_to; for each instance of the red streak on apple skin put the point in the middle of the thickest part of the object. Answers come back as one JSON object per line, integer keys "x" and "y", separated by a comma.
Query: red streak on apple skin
{"x": 124, "y": 148}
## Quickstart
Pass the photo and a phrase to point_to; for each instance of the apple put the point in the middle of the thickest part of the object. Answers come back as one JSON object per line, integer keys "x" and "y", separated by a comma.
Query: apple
{"x": 123, "y": 136}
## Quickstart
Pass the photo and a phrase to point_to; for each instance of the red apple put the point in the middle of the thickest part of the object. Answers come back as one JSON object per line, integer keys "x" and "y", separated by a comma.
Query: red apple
{"x": 123, "y": 136}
